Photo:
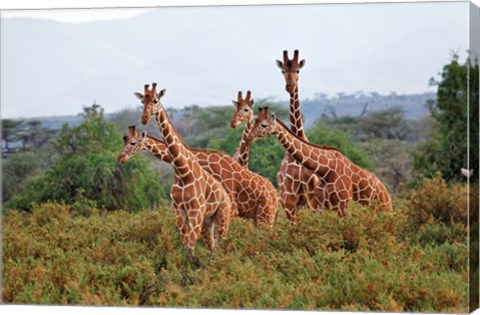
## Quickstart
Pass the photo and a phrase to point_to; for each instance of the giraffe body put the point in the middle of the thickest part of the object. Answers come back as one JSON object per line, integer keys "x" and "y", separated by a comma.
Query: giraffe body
{"x": 252, "y": 195}
{"x": 340, "y": 180}
{"x": 200, "y": 203}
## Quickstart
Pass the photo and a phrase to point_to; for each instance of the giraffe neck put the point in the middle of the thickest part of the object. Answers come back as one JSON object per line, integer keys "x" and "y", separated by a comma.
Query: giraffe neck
{"x": 157, "y": 148}
{"x": 304, "y": 152}
{"x": 243, "y": 150}
{"x": 296, "y": 123}
{"x": 176, "y": 148}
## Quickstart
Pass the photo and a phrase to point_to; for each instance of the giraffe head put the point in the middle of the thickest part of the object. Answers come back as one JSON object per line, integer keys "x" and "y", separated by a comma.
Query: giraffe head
{"x": 290, "y": 70}
{"x": 151, "y": 101}
{"x": 265, "y": 124}
{"x": 243, "y": 109}
{"x": 133, "y": 143}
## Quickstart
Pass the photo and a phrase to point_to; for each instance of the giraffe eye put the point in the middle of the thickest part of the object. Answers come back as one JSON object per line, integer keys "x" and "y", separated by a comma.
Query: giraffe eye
{"x": 133, "y": 143}
{"x": 283, "y": 71}
{"x": 298, "y": 71}
{"x": 155, "y": 101}
{"x": 245, "y": 109}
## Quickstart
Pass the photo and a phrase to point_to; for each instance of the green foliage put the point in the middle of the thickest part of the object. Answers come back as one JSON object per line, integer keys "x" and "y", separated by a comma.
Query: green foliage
{"x": 94, "y": 134}
{"x": 365, "y": 261}
{"x": 19, "y": 170}
{"x": 85, "y": 169}
{"x": 322, "y": 135}
{"x": 447, "y": 151}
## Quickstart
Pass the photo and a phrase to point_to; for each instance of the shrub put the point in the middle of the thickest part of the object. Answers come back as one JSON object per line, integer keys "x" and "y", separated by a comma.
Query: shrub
{"x": 435, "y": 201}
{"x": 362, "y": 262}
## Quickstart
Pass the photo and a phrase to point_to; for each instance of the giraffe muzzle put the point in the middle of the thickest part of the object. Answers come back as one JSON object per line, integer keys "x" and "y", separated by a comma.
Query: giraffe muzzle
{"x": 145, "y": 119}
{"x": 122, "y": 159}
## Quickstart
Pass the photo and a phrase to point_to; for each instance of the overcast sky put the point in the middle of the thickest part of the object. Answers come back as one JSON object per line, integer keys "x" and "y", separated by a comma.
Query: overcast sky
{"x": 371, "y": 47}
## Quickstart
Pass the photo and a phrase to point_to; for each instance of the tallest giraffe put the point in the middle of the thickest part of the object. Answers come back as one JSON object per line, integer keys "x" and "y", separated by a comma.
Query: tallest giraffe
{"x": 298, "y": 185}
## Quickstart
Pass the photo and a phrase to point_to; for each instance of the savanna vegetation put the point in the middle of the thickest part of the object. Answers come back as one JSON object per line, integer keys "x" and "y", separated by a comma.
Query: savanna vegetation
{"x": 79, "y": 228}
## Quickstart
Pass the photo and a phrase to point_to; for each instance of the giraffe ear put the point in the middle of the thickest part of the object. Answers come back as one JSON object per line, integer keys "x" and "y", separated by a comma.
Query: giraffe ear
{"x": 273, "y": 117}
{"x": 279, "y": 64}
{"x": 301, "y": 63}
{"x": 144, "y": 134}
{"x": 251, "y": 103}
{"x": 235, "y": 103}
{"x": 162, "y": 93}
{"x": 138, "y": 95}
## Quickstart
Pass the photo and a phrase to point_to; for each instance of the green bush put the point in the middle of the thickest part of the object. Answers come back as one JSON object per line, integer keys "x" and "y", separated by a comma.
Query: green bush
{"x": 19, "y": 170}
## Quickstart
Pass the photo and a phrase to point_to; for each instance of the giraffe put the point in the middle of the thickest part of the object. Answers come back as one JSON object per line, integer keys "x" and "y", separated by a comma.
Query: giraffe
{"x": 251, "y": 194}
{"x": 298, "y": 186}
{"x": 243, "y": 114}
{"x": 341, "y": 180}
{"x": 200, "y": 203}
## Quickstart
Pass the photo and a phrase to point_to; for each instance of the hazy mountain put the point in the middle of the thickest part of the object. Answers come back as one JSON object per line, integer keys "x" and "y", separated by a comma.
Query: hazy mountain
{"x": 312, "y": 109}
{"x": 205, "y": 55}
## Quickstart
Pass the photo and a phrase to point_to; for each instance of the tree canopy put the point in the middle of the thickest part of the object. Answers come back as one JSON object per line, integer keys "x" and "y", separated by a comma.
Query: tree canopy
{"x": 85, "y": 169}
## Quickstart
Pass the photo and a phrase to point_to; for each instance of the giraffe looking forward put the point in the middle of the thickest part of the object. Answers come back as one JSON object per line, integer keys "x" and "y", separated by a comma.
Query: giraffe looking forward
{"x": 200, "y": 203}
{"x": 253, "y": 195}
{"x": 243, "y": 114}
{"x": 298, "y": 186}
{"x": 340, "y": 179}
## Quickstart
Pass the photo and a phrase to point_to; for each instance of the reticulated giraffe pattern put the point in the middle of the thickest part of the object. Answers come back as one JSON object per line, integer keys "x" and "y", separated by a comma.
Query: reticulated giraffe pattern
{"x": 253, "y": 196}
{"x": 340, "y": 179}
{"x": 298, "y": 186}
{"x": 200, "y": 203}
{"x": 243, "y": 114}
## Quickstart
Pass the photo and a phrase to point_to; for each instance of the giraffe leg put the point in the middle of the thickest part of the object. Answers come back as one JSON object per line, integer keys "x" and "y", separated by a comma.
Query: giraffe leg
{"x": 223, "y": 217}
{"x": 336, "y": 200}
{"x": 290, "y": 204}
{"x": 195, "y": 224}
{"x": 183, "y": 226}
{"x": 208, "y": 233}
{"x": 266, "y": 213}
